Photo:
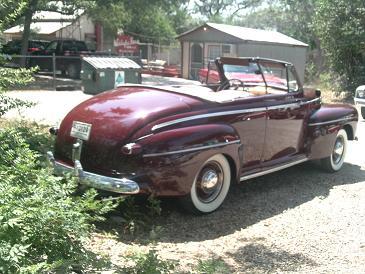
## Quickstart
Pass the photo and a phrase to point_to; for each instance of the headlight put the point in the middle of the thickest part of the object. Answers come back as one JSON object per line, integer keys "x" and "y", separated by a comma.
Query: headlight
{"x": 361, "y": 93}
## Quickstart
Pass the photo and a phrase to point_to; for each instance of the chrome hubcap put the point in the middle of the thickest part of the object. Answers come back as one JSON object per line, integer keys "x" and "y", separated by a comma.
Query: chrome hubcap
{"x": 338, "y": 150}
{"x": 209, "y": 182}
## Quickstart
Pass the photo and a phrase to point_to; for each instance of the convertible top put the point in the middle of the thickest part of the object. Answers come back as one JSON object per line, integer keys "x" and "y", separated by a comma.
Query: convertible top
{"x": 200, "y": 92}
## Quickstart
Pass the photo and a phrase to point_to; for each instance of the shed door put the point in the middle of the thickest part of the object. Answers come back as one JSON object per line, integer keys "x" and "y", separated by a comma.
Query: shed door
{"x": 196, "y": 60}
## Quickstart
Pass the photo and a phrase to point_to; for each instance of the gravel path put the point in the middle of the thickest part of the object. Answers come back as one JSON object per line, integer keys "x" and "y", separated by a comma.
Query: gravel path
{"x": 300, "y": 220}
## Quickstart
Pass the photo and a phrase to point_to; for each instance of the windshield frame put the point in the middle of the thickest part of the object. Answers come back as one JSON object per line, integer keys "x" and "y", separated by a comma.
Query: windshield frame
{"x": 245, "y": 61}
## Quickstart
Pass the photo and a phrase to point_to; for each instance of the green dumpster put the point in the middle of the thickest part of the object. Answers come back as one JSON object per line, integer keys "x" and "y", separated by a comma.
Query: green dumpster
{"x": 105, "y": 73}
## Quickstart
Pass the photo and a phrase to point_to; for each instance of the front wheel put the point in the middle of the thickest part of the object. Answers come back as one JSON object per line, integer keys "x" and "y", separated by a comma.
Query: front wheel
{"x": 335, "y": 161}
{"x": 363, "y": 112}
{"x": 210, "y": 186}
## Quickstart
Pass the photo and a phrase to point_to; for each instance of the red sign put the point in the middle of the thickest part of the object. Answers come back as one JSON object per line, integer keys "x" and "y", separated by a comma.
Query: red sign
{"x": 125, "y": 44}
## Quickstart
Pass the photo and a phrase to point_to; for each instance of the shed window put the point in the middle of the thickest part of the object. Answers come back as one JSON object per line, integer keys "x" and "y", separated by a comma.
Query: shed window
{"x": 214, "y": 51}
{"x": 226, "y": 49}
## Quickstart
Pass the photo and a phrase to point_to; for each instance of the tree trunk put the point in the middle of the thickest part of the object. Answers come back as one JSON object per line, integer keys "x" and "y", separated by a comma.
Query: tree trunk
{"x": 32, "y": 5}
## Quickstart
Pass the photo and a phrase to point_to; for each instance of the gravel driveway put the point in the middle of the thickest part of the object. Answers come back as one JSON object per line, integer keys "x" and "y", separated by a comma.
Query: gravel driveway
{"x": 300, "y": 220}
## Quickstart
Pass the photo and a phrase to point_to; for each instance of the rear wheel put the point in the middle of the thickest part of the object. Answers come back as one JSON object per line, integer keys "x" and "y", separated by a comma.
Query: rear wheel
{"x": 210, "y": 186}
{"x": 363, "y": 112}
{"x": 335, "y": 161}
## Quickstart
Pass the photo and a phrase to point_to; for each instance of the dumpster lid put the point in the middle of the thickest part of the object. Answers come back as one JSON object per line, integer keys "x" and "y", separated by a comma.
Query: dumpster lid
{"x": 111, "y": 63}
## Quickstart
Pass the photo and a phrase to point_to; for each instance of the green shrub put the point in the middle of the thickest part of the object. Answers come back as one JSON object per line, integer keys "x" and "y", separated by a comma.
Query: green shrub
{"x": 212, "y": 266}
{"x": 11, "y": 78}
{"x": 149, "y": 263}
{"x": 42, "y": 225}
{"x": 139, "y": 217}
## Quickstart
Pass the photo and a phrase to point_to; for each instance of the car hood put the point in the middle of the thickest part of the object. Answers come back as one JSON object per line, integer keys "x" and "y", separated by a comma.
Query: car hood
{"x": 114, "y": 117}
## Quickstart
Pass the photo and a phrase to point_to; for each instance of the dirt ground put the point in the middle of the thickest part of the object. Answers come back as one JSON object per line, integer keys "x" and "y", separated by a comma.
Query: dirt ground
{"x": 299, "y": 220}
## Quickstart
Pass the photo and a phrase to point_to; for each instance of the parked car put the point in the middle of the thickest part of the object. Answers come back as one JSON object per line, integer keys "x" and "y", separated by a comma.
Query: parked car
{"x": 360, "y": 100}
{"x": 192, "y": 142}
{"x": 68, "y": 57}
{"x": 14, "y": 47}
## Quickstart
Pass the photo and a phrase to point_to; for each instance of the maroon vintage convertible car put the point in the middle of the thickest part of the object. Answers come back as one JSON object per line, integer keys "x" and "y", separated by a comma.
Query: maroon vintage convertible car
{"x": 192, "y": 142}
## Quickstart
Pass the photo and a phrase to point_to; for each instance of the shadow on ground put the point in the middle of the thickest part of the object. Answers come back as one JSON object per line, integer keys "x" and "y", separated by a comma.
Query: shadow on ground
{"x": 46, "y": 82}
{"x": 248, "y": 203}
{"x": 254, "y": 257}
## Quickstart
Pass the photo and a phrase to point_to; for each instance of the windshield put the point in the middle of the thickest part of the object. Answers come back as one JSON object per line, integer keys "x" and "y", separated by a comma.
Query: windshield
{"x": 250, "y": 74}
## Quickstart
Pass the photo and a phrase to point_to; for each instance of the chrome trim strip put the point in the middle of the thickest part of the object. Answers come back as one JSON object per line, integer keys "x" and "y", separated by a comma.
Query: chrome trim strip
{"x": 191, "y": 149}
{"x": 122, "y": 186}
{"x": 285, "y": 106}
{"x": 329, "y": 122}
{"x": 261, "y": 173}
{"x": 207, "y": 115}
{"x": 310, "y": 101}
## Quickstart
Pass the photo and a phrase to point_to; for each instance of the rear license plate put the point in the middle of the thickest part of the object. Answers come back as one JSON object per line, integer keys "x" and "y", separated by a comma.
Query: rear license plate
{"x": 80, "y": 130}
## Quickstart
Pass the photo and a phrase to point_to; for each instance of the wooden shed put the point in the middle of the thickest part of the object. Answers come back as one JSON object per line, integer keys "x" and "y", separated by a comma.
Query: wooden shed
{"x": 211, "y": 40}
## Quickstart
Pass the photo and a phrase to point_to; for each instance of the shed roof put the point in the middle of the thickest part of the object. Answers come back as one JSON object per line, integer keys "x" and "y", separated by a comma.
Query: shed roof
{"x": 249, "y": 34}
{"x": 111, "y": 63}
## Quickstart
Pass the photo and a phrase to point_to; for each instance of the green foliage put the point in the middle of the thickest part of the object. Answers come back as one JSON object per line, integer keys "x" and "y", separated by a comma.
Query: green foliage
{"x": 150, "y": 263}
{"x": 42, "y": 225}
{"x": 222, "y": 11}
{"x": 139, "y": 217}
{"x": 212, "y": 266}
{"x": 10, "y": 78}
{"x": 340, "y": 25}
{"x": 10, "y": 11}
{"x": 36, "y": 136}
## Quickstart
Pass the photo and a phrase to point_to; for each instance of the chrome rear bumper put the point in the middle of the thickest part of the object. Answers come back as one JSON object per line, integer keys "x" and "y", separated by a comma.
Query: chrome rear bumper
{"x": 122, "y": 186}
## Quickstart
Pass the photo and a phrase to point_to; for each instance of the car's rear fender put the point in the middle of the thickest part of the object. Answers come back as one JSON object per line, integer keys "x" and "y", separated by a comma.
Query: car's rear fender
{"x": 176, "y": 155}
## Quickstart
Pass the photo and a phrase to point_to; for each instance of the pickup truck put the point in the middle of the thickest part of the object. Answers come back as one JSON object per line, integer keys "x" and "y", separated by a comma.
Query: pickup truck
{"x": 68, "y": 54}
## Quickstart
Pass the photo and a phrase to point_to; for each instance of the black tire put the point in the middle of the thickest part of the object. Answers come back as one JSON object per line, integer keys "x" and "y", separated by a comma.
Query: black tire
{"x": 210, "y": 186}
{"x": 73, "y": 72}
{"x": 335, "y": 161}
{"x": 363, "y": 112}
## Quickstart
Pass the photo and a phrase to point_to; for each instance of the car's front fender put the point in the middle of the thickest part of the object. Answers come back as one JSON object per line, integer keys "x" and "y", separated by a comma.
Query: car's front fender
{"x": 324, "y": 124}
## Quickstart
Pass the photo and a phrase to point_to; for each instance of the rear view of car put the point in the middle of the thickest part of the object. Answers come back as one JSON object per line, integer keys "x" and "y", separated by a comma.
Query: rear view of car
{"x": 360, "y": 100}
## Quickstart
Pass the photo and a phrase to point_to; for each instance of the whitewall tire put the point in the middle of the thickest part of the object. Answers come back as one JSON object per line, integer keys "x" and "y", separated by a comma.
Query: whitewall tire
{"x": 210, "y": 186}
{"x": 335, "y": 161}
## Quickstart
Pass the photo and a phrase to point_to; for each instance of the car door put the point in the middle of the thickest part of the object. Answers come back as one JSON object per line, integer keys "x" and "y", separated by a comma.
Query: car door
{"x": 251, "y": 125}
{"x": 286, "y": 113}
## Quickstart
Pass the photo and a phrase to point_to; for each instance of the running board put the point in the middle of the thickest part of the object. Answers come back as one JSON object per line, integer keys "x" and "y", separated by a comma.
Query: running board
{"x": 268, "y": 171}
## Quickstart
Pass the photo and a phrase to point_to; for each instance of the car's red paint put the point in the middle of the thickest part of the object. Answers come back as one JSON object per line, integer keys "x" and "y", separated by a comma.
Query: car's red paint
{"x": 262, "y": 132}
